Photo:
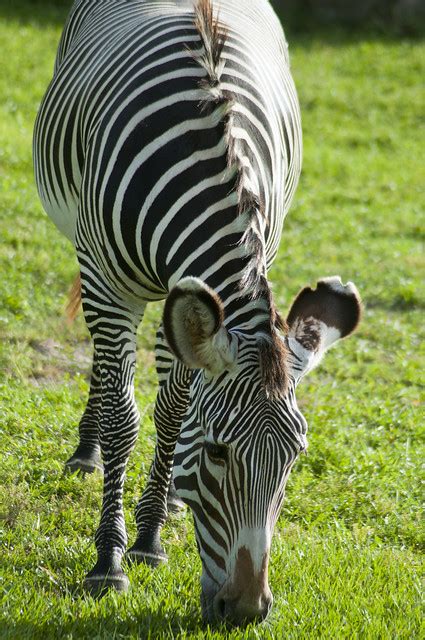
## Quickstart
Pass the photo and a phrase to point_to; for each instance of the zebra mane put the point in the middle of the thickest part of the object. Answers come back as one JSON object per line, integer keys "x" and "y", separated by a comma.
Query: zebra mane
{"x": 272, "y": 350}
{"x": 213, "y": 36}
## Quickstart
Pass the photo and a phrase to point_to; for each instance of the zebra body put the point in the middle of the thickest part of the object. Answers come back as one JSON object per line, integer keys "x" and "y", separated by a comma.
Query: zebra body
{"x": 168, "y": 149}
{"x": 133, "y": 147}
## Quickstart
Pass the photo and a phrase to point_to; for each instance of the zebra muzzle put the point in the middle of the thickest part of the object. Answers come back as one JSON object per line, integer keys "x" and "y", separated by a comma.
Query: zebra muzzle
{"x": 247, "y": 597}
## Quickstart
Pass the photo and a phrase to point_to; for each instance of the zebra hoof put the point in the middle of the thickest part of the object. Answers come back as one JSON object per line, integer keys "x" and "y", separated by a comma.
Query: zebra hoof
{"x": 84, "y": 461}
{"x": 98, "y": 586}
{"x": 153, "y": 557}
{"x": 99, "y": 581}
{"x": 174, "y": 504}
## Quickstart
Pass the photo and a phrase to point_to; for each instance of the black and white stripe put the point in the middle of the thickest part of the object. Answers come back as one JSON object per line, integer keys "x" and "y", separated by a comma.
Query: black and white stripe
{"x": 167, "y": 149}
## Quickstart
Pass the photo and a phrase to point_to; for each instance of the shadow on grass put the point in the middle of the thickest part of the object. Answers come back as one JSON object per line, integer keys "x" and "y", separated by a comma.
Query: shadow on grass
{"x": 300, "y": 29}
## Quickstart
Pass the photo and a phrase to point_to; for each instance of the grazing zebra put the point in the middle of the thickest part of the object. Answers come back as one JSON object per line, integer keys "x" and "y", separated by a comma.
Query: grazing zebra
{"x": 167, "y": 149}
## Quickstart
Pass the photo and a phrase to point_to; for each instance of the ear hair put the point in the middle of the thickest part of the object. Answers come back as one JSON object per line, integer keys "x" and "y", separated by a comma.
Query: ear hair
{"x": 335, "y": 305}
{"x": 193, "y": 325}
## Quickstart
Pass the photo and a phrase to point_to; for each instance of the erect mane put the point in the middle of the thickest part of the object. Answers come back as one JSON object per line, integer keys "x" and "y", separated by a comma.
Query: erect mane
{"x": 213, "y": 36}
{"x": 272, "y": 351}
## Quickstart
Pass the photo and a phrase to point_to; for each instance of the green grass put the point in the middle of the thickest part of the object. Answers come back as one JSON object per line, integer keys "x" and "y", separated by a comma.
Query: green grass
{"x": 346, "y": 557}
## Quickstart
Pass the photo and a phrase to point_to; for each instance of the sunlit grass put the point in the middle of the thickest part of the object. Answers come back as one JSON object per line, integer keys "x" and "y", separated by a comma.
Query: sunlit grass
{"x": 346, "y": 555}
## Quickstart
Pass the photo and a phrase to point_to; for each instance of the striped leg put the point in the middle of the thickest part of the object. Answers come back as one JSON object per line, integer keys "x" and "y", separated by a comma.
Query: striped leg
{"x": 171, "y": 405}
{"x": 164, "y": 361}
{"x": 113, "y": 328}
{"x": 87, "y": 457}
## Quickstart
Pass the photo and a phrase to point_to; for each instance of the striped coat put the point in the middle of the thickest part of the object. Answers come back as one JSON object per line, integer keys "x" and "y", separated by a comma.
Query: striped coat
{"x": 167, "y": 149}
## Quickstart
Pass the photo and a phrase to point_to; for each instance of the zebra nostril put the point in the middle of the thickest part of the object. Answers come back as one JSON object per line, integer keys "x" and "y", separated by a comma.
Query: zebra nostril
{"x": 220, "y": 608}
{"x": 266, "y": 608}
{"x": 239, "y": 611}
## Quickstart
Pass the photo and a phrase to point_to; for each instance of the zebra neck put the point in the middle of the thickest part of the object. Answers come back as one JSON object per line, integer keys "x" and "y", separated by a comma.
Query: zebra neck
{"x": 248, "y": 316}
{"x": 249, "y": 310}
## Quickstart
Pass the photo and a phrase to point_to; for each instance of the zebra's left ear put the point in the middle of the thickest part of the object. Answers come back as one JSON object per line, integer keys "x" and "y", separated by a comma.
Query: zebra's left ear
{"x": 317, "y": 319}
{"x": 194, "y": 327}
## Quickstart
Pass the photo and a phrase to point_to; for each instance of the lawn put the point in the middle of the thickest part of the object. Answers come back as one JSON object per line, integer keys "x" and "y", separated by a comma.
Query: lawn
{"x": 346, "y": 559}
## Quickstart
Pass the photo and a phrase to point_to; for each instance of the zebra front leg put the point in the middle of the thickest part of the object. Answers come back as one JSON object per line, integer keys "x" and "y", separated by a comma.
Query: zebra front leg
{"x": 164, "y": 361}
{"x": 151, "y": 512}
{"x": 87, "y": 456}
{"x": 115, "y": 345}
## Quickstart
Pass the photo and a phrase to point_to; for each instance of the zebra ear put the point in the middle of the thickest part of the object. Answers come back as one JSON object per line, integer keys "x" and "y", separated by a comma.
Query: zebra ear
{"x": 193, "y": 325}
{"x": 317, "y": 319}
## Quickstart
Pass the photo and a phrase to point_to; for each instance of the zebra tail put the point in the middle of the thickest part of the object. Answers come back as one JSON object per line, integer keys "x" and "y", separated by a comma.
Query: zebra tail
{"x": 74, "y": 300}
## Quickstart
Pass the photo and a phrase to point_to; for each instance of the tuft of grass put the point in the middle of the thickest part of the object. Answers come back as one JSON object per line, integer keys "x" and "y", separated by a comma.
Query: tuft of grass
{"x": 347, "y": 550}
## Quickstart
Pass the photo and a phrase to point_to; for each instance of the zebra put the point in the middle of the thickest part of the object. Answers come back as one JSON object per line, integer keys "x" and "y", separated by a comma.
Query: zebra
{"x": 167, "y": 149}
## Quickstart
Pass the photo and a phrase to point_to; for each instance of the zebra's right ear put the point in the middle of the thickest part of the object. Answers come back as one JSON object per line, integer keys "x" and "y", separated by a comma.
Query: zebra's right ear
{"x": 194, "y": 327}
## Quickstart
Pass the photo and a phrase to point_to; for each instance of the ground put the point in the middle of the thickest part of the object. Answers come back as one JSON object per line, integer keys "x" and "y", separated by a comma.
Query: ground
{"x": 346, "y": 556}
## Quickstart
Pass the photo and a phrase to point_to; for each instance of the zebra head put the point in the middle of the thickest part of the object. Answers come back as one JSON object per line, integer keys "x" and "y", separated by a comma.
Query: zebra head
{"x": 238, "y": 443}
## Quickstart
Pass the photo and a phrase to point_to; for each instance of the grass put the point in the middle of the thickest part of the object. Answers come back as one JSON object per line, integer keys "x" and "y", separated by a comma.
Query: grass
{"x": 346, "y": 559}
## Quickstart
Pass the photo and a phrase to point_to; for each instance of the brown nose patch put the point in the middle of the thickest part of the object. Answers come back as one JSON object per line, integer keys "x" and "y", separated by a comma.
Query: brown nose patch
{"x": 246, "y": 581}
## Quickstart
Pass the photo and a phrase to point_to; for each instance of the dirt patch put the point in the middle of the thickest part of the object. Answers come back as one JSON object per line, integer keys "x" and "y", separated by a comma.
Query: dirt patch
{"x": 53, "y": 361}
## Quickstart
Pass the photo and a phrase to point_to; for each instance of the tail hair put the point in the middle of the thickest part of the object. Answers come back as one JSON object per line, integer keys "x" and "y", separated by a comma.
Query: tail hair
{"x": 74, "y": 300}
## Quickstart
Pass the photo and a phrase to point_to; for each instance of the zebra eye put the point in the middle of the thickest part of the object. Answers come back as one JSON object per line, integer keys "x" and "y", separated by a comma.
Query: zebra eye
{"x": 216, "y": 452}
